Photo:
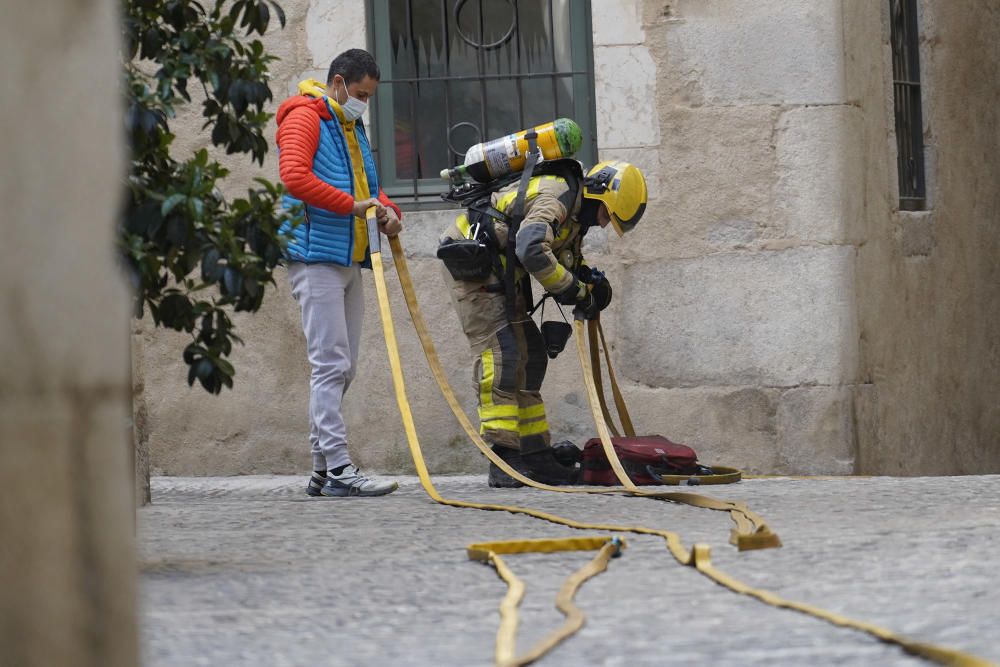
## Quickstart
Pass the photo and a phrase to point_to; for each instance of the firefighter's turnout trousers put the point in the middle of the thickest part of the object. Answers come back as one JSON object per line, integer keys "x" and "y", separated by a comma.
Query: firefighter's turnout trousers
{"x": 509, "y": 367}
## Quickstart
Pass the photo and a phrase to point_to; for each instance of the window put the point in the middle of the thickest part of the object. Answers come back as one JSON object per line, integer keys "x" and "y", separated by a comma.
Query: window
{"x": 457, "y": 72}
{"x": 906, "y": 95}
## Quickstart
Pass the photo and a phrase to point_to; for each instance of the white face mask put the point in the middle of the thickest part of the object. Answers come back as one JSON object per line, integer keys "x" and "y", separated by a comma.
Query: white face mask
{"x": 353, "y": 108}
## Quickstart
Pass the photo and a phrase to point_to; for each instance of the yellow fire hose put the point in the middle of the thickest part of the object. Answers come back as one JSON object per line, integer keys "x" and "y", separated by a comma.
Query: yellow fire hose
{"x": 489, "y": 552}
{"x": 751, "y": 531}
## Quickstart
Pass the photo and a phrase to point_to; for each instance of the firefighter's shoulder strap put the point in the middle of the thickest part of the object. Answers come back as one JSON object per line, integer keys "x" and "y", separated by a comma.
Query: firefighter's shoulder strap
{"x": 514, "y": 222}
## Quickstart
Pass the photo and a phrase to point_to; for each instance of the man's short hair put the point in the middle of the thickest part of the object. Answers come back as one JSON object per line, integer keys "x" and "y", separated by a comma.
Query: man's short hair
{"x": 353, "y": 65}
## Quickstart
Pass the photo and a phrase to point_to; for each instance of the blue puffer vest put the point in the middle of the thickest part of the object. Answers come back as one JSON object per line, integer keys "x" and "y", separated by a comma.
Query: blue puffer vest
{"x": 324, "y": 236}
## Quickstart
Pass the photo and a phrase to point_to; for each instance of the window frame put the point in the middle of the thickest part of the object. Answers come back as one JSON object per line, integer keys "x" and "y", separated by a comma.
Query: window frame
{"x": 907, "y": 104}
{"x": 417, "y": 194}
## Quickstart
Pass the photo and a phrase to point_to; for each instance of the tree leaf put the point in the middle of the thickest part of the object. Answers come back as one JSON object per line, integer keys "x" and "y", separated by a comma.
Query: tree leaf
{"x": 279, "y": 11}
{"x": 145, "y": 219}
{"x": 171, "y": 202}
{"x": 210, "y": 269}
{"x": 232, "y": 281}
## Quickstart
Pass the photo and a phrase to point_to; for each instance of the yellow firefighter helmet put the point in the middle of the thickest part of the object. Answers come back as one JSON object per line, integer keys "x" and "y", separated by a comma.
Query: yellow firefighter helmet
{"x": 621, "y": 187}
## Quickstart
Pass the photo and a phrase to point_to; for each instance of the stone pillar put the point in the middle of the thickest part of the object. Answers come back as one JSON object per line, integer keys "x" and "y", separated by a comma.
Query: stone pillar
{"x": 67, "y": 565}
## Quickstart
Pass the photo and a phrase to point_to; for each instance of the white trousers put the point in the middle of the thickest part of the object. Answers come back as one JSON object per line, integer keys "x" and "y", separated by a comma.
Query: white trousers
{"x": 331, "y": 299}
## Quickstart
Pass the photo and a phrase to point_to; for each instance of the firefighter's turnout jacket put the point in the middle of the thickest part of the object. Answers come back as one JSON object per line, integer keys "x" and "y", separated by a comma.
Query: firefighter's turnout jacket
{"x": 511, "y": 359}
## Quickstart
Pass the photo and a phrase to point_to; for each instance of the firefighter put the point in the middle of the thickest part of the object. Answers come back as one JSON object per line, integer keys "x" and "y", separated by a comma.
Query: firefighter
{"x": 509, "y": 350}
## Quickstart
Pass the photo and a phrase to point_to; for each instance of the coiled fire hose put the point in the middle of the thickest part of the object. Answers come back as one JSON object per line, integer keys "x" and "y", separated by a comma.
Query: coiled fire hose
{"x": 751, "y": 531}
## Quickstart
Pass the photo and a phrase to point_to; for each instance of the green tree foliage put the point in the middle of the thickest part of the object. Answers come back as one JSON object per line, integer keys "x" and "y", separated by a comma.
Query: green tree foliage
{"x": 193, "y": 254}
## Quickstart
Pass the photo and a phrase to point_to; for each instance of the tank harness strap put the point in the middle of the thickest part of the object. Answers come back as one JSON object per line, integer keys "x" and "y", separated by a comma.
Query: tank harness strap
{"x": 517, "y": 215}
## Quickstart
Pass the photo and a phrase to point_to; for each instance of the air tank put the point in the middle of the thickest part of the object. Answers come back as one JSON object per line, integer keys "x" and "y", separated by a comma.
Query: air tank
{"x": 490, "y": 160}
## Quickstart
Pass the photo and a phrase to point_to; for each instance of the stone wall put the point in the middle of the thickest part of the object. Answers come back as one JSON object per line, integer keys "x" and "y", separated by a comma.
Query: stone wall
{"x": 929, "y": 307}
{"x": 67, "y": 564}
{"x": 736, "y": 324}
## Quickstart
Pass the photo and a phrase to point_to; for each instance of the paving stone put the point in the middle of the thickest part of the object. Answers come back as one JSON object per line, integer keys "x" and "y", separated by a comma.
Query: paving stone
{"x": 247, "y": 570}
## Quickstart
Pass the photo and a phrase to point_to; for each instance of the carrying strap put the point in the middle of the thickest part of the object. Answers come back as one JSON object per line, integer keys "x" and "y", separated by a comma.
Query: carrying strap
{"x": 720, "y": 475}
{"x": 595, "y": 332}
{"x": 514, "y": 223}
{"x": 595, "y": 369}
{"x": 623, "y": 415}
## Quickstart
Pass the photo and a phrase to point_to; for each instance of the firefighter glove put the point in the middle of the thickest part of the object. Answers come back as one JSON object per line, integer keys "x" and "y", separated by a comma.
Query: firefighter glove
{"x": 572, "y": 295}
{"x": 601, "y": 291}
{"x": 598, "y": 298}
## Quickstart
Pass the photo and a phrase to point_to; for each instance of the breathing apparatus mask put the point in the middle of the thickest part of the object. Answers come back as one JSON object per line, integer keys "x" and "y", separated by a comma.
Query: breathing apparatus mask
{"x": 555, "y": 334}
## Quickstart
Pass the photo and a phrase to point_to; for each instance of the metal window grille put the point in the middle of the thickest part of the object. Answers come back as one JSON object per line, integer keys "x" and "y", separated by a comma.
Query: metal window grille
{"x": 457, "y": 72}
{"x": 906, "y": 92}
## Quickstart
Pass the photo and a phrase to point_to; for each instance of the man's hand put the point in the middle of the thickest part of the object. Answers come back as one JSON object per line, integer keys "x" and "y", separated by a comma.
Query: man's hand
{"x": 362, "y": 206}
{"x": 389, "y": 224}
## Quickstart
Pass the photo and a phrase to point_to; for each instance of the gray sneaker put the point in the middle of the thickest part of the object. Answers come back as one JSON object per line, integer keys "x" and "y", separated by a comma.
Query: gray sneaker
{"x": 315, "y": 485}
{"x": 352, "y": 483}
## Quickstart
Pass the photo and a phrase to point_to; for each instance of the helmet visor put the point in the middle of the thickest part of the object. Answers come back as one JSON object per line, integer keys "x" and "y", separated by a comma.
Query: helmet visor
{"x": 623, "y": 226}
{"x": 616, "y": 224}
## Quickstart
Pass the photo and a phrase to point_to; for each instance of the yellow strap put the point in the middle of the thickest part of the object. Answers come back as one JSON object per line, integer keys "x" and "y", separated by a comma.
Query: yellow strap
{"x": 595, "y": 368}
{"x": 623, "y": 414}
{"x": 698, "y": 557}
{"x": 722, "y": 475}
{"x": 489, "y": 552}
{"x": 944, "y": 656}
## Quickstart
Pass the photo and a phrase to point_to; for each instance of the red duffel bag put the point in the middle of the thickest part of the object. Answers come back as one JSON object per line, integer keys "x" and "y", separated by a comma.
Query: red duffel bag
{"x": 644, "y": 459}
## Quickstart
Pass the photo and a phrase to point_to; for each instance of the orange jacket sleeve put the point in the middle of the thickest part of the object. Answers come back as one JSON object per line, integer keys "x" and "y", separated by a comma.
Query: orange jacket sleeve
{"x": 382, "y": 197}
{"x": 298, "y": 138}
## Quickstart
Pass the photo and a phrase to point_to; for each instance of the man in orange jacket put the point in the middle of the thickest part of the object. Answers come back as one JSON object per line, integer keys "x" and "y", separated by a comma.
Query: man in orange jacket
{"x": 326, "y": 164}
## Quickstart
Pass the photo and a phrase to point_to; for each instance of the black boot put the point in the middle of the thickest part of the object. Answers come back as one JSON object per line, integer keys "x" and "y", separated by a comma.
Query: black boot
{"x": 543, "y": 466}
{"x": 498, "y": 478}
{"x": 540, "y": 465}
{"x": 567, "y": 453}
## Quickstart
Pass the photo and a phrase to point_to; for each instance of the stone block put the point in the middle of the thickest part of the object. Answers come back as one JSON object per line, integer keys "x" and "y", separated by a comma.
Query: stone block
{"x": 769, "y": 318}
{"x": 816, "y": 431}
{"x": 729, "y": 52}
{"x": 819, "y": 193}
{"x": 422, "y": 229}
{"x": 866, "y": 34}
{"x": 728, "y": 426}
{"x": 916, "y": 233}
{"x": 617, "y": 22}
{"x": 67, "y": 568}
{"x": 713, "y": 180}
{"x": 734, "y": 426}
{"x": 332, "y": 27}
{"x": 625, "y": 93}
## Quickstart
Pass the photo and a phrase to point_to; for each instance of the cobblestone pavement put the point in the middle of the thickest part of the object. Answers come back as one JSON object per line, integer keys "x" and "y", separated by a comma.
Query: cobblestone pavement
{"x": 249, "y": 571}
